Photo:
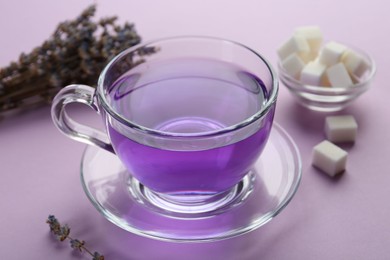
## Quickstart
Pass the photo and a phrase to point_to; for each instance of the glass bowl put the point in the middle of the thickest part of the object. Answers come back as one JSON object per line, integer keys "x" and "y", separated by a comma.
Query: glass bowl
{"x": 325, "y": 98}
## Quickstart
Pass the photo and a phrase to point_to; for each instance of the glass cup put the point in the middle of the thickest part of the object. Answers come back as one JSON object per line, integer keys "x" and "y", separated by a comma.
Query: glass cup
{"x": 187, "y": 117}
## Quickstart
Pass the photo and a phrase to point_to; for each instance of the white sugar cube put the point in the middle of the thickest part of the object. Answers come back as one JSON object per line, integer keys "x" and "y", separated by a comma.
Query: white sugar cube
{"x": 355, "y": 63}
{"x": 332, "y": 53}
{"x": 313, "y": 74}
{"x": 313, "y": 35}
{"x": 308, "y": 56}
{"x": 338, "y": 76}
{"x": 296, "y": 44}
{"x": 293, "y": 64}
{"x": 340, "y": 128}
{"x": 329, "y": 158}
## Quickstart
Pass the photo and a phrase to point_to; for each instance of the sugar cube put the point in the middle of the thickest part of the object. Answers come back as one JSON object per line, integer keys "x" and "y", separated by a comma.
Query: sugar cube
{"x": 331, "y": 65}
{"x": 329, "y": 158}
{"x": 293, "y": 64}
{"x": 355, "y": 63}
{"x": 331, "y": 53}
{"x": 296, "y": 44}
{"x": 313, "y": 74}
{"x": 338, "y": 76}
{"x": 308, "y": 56}
{"x": 341, "y": 128}
{"x": 313, "y": 35}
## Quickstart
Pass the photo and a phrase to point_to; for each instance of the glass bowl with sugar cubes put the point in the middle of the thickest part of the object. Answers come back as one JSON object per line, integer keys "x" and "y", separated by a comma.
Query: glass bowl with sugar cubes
{"x": 323, "y": 76}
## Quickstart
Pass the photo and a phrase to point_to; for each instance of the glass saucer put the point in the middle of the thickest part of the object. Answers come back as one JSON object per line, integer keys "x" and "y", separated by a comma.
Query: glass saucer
{"x": 272, "y": 183}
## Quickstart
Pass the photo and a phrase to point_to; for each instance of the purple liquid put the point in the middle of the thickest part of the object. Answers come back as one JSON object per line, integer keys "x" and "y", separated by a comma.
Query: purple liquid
{"x": 188, "y": 96}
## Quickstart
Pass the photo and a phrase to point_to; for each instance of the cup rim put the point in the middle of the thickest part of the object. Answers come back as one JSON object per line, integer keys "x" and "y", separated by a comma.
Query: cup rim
{"x": 259, "y": 114}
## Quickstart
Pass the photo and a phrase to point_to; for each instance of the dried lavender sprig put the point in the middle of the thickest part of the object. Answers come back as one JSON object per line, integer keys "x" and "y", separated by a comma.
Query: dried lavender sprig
{"x": 62, "y": 232}
{"x": 77, "y": 52}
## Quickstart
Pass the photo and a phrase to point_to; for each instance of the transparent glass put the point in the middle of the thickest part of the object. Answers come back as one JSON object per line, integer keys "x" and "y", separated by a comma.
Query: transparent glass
{"x": 328, "y": 99}
{"x": 188, "y": 117}
{"x": 264, "y": 193}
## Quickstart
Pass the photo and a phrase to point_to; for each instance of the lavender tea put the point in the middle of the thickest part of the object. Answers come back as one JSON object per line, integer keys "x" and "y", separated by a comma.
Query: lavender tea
{"x": 188, "y": 100}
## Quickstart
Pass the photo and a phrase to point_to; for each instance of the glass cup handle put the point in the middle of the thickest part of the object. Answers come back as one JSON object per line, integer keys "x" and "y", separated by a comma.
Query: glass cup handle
{"x": 77, "y": 94}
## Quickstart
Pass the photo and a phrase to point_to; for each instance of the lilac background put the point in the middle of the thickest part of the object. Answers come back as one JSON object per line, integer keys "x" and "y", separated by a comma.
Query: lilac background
{"x": 342, "y": 218}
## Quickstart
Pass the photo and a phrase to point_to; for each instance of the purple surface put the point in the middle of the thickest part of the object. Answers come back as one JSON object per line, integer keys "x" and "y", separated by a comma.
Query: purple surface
{"x": 342, "y": 218}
